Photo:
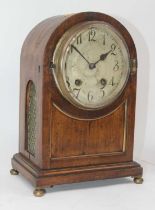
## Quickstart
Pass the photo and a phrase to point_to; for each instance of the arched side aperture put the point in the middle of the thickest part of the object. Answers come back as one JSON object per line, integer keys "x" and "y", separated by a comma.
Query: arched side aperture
{"x": 31, "y": 114}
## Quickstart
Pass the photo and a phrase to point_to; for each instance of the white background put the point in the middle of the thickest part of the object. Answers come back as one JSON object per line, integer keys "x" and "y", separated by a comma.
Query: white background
{"x": 17, "y": 18}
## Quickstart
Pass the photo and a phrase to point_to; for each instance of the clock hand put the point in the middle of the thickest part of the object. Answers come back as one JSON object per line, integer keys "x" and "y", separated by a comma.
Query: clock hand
{"x": 103, "y": 57}
{"x": 80, "y": 53}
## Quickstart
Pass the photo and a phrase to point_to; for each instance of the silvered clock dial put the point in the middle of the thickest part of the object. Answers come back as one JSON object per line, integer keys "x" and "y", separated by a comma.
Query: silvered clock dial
{"x": 92, "y": 65}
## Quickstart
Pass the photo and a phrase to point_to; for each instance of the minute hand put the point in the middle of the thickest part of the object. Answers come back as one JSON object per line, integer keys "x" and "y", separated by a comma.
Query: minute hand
{"x": 80, "y": 53}
{"x": 103, "y": 57}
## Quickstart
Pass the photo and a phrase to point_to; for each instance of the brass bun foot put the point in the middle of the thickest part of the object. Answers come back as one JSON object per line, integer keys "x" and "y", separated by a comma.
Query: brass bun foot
{"x": 138, "y": 180}
{"x": 14, "y": 172}
{"x": 39, "y": 192}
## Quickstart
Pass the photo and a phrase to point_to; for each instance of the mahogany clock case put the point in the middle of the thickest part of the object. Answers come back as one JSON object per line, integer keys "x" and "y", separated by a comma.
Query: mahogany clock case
{"x": 72, "y": 144}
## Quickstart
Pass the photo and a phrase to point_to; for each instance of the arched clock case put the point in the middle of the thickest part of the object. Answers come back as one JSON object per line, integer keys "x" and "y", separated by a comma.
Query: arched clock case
{"x": 59, "y": 141}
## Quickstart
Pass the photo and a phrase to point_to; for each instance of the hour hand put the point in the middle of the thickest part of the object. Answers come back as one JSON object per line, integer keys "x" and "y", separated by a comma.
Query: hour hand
{"x": 80, "y": 53}
{"x": 103, "y": 57}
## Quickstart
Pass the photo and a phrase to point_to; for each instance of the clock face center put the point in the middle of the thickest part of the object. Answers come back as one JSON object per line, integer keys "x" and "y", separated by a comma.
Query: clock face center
{"x": 92, "y": 66}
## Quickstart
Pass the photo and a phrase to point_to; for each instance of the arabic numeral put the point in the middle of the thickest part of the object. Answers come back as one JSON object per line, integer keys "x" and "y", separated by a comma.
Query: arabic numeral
{"x": 104, "y": 39}
{"x": 111, "y": 82}
{"x": 103, "y": 93}
{"x": 113, "y": 48}
{"x": 92, "y": 34}
{"x": 76, "y": 92}
{"x": 116, "y": 66}
{"x": 71, "y": 49}
{"x": 90, "y": 96}
{"x": 79, "y": 39}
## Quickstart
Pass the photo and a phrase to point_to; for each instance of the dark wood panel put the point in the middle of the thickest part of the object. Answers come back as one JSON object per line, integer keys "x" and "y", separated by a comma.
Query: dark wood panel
{"x": 107, "y": 135}
{"x": 71, "y": 137}
{"x": 68, "y": 135}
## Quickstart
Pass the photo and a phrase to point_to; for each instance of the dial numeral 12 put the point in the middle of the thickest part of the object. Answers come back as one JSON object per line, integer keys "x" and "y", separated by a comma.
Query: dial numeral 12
{"x": 92, "y": 34}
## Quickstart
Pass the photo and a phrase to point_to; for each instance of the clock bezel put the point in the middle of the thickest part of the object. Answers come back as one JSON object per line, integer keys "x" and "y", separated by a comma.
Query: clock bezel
{"x": 60, "y": 54}
{"x": 57, "y": 99}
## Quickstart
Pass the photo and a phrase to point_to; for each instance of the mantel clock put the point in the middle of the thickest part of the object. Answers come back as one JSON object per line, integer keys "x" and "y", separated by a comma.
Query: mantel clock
{"x": 77, "y": 102}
